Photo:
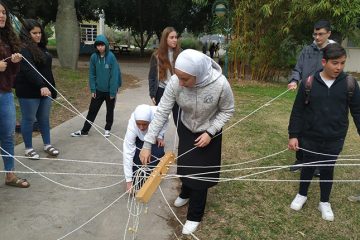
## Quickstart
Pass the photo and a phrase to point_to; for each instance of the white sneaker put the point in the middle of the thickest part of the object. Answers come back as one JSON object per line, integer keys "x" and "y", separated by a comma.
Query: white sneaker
{"x": 179, "y": 202}
{"x": 326, "y": 212}
{"x": 190, "y": 227}
{"x": 298, "y": 202}
{"x": 107, "y": 133}
{"x": 78, "y": 134}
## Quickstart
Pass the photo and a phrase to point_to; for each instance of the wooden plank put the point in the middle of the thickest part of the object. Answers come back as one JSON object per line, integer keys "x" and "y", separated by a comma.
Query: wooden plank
{"x": 153, "y": 181}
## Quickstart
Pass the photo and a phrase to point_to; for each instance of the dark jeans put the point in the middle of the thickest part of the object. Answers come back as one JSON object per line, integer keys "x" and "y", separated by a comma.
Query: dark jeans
{"x": 197, "y": 202}
{"x": 94, "y": 108}
{"x": 155, "y": 151}
{"x": 333, "y": 147}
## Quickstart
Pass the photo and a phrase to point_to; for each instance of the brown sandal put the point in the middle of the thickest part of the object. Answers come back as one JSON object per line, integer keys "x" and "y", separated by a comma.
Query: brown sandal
{"x": 18, "y": 182}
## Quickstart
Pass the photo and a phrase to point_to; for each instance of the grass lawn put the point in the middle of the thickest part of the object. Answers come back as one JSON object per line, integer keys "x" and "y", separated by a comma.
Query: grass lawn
{"x": 261, "y": 210}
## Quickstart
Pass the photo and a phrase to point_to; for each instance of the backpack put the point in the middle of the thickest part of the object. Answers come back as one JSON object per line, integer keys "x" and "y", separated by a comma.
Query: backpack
{"x": 350, "y": 82}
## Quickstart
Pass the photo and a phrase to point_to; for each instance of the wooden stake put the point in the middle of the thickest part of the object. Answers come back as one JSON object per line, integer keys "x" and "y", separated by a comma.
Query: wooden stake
{"x": 153, "y": 182}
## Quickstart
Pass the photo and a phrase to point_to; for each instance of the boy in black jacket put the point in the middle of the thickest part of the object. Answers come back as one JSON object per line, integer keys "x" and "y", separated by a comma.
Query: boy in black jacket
{"x": 322, "y": 124}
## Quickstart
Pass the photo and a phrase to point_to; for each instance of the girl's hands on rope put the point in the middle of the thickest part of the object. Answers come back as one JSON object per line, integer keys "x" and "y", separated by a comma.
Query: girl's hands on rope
{"x": 293, "y": 144}
{"x": 16, "y": 57}
{"x": 3, "y": 66}
{"x": 93, "y": 95}
{"x": 203, "y": 140}
{"x": 129, "y": 186}
{"x": 153, "y": 100}
{"x": 145, "y": 156}
{"x": 45, "y": 92}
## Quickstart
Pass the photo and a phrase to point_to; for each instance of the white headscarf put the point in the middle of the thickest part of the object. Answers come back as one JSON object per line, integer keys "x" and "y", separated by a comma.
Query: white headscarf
{"x": 198, "y": 65}
{"x": 143, "y": 112}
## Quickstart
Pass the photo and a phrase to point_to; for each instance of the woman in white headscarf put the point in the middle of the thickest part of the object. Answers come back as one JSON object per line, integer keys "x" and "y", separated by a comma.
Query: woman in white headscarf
{"x": 206, "y": 101}
{"x": 134, "y": 138}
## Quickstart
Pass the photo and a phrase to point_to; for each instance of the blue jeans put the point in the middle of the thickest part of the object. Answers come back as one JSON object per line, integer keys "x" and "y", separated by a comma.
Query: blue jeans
{"x": 33, "y": 109}
{"x": 7, "y": 128}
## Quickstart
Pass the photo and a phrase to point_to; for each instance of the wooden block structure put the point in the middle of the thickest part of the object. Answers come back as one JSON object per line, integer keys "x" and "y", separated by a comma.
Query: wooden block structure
{"x": 153, "y": 181}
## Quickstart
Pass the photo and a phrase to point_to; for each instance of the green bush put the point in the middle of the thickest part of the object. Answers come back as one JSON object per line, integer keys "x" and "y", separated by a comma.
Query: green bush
{"x": 191, "y": 43}
{"x": 52, "y": 42}
{"x": 49, "y": 30}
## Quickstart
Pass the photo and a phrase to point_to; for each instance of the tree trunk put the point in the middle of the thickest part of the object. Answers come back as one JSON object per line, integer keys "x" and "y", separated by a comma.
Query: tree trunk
{"x": 141, "y": 42}
{"x": 67, "y": 34}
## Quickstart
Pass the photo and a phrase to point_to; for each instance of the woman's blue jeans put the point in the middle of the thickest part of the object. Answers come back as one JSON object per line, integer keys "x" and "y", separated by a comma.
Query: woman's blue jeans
{"x": 33, "y": 109}
{"x": 7, "y": 128}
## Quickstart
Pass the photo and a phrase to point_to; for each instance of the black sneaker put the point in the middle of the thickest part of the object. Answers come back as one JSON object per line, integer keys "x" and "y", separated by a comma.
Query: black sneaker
{"x": 79, "y": 134}
{"x": 317, "y": 172}
{"x": 295, "y": 167}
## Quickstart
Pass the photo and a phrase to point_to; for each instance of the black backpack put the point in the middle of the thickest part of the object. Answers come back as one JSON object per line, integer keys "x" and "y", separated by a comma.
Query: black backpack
{"x": 350, "y": 81}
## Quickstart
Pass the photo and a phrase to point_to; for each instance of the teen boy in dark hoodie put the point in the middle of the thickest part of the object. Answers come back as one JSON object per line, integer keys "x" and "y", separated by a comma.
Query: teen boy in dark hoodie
{"x": 322, "y": 124}
{"x": 104, "y": 81}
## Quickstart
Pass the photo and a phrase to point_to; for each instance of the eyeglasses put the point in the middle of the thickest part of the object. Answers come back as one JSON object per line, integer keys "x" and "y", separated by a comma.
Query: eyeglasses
{"x": 319, "y": 34}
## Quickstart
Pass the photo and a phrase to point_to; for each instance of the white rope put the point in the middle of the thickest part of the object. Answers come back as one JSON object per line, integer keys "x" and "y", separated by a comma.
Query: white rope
{"x": 96, "y": 127}
{"x": 242, "y": 178}
{"x": 68, "y": 102}
{"x": 78, "y": 113}
{"x": 75, "y": 111}
{"x": 280, "y": 180}
{"x": 135, "y": 208}
{"x": 231, "y": 165}
{"x": 60, "y": 184}
{"x": 231, "y": 126}
{"x": 272, "y": 168}
{"x": 5, "y": 59}
{"x": 331, "y": 155}
{"x": 256, "y": 110}
{"x": 67, "y": 173}
{"x": 172, "y": 211}
{"x": 93, "y": 217}
{"x": 67, "y": 160}
{"x": 199, "y": 175}
{"x": 93, "y": 124}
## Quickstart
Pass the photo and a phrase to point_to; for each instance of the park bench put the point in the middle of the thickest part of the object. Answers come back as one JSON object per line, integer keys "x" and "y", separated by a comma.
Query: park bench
{"x": 119, "y": 48}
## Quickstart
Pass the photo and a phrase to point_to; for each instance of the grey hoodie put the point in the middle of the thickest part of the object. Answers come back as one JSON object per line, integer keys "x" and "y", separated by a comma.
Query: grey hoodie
{"x": 308, "y": 63}
{"x": 205, "y": 107}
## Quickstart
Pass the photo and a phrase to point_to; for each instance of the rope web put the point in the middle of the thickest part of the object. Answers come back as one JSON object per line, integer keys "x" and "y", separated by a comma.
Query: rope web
{"x": 136, "y": 209}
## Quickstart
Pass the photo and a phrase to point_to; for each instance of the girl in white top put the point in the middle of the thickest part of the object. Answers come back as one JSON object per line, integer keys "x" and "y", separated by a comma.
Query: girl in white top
{"x": 134, "y": 139}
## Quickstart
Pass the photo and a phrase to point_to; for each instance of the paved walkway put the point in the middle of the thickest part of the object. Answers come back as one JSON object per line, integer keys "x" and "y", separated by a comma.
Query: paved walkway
{"x": 49, "y": 211}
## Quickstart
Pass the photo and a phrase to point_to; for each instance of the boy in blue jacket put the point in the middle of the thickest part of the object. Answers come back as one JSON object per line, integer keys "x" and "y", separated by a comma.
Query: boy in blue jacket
{"x": 104, "y": 81}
